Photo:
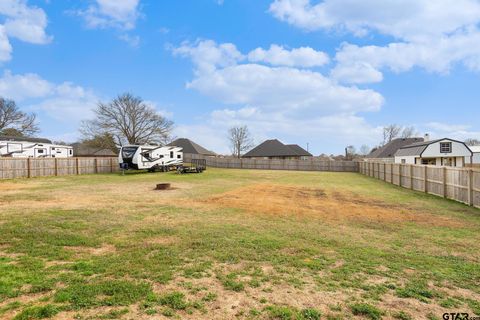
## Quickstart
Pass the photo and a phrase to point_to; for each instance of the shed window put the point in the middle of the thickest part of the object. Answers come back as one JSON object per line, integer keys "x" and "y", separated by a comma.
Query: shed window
{"x": 404, "y": 161}
{"x": 445, "y": 147}
{"x": 171, "y": 154}
{"x": 40, "y": 150}
{"x": 179, "y": 156}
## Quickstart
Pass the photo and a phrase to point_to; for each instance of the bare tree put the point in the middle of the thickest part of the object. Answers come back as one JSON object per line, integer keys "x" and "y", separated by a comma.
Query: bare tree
{"x": 14, "y": 121}
{"x": 105, "y": 141}
{"x": 129, "y": 120}
{"x": 240, "y": 140}
{"x": 350, "y": 152}
{"x": 364, "y": 150}
{"x": 409, "y": 132}
{"x": 472, "y": 142}
{"x": 390, "y": 132}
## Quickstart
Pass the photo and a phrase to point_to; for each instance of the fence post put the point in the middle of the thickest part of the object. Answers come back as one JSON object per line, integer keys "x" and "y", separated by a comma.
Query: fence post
{"x": 95, "y": 162}
{"x": 56, "y": 167}
{"x": 76, "y": 166}
{"x": 29, "y": 167}
{"x": 444, "y": 182}
{"x": 470, "y": 187}
{"x": 411, "y": 176}
{"x": 384, "y": 171}
{"x": 391, "y": 173}
{"x": 425, "y": 175}
{"x": 400, "y": 176}
{"x": 111, "y": 165}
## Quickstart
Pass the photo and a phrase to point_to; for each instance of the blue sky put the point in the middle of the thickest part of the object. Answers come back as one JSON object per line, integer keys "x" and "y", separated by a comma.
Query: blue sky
{"x": 327, "y": 73}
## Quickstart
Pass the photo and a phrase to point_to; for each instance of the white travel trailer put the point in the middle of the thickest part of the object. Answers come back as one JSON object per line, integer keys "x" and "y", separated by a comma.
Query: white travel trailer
{"x": 17, "y": 147}
{"x": 148, "y": 157}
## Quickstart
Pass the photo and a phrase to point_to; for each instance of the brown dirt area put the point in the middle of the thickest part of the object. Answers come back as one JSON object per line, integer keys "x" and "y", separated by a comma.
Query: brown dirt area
{"x": 295, "y": 200}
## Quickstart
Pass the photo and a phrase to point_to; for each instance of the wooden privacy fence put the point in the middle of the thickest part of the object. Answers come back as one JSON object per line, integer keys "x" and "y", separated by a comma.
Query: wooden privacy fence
{"x": 460, "y": 184}
{"x": 274, "y": 164}
{"x": 11, "y": 168}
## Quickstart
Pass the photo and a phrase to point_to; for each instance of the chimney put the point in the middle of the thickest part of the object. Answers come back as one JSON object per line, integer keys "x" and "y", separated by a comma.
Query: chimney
{"x": 426, "y": 138}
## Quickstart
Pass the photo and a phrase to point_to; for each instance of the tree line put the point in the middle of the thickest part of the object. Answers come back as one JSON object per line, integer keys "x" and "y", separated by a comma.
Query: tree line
{"x": 128, "y": 119}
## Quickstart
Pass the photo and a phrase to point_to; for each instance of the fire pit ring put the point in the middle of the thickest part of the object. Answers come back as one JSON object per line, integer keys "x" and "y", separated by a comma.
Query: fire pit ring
{"x": 163, "y": 186}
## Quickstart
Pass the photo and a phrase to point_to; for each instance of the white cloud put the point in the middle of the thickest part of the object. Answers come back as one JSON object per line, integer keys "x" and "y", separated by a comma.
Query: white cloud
{"x": 434, "y": 35}
{"x": 438, "y": 130}
{"x": 64, "y": 102}
{"x": 26, "y": 23}
{"x": 5, "y": 46}
{"x": 112, "y": 14}
{"x": 21, "y": 87}
{"x": 278, "y": 101}
{"x": 207, "y": 55}
{"x": 438, "y": 55}
{"x": 300, "y": 57}
{"x": 133, "y": 41}
{"x": 403, "y": 19}
{"x": 287, "y": 89}
{"x": 356, "y": 72}
{"x": 68, "y": 103}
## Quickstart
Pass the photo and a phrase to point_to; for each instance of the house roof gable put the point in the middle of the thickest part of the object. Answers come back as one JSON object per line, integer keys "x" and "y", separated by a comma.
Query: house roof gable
{"x": 272, "y": 148}
{"x": 189, "y": 146}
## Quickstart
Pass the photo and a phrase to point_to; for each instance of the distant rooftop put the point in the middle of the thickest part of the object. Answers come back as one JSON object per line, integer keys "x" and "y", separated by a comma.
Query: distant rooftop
{"x": 24, "y": 139}
{"x": 191, "y": 147}
{"x": 389, "y": 150}
{"x": 475, "y": 149}
{"x": 275, "y": 148}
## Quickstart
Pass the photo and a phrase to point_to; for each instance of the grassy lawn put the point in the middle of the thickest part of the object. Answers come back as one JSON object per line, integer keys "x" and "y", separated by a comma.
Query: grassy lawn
{"x": 234, "y": 244}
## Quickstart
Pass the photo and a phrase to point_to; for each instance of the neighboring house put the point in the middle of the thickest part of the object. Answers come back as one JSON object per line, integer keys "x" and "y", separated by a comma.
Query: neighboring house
{"x": 81, "y": 150}
{"x": 23, "y": 147}
{"x": 191, "y": 147}
{"x": 387, "y": 152}
{"x": 274, "y": 149}
{"x": 441, "y": 152}
{"x": 476, "y": 155}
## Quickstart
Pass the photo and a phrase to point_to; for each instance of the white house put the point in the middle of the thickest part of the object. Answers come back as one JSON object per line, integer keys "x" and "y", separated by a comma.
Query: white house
{"x": 476, "y": 155}
{"x": 441, "y": 152}
{"x": 20, "y": 147}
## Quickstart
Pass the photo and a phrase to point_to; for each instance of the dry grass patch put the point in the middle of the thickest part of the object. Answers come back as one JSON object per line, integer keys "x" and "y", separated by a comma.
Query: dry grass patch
{"x": 328, "y": 206}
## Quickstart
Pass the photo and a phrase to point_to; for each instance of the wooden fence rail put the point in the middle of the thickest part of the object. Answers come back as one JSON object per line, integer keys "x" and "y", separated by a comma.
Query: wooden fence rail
{"x": 11, "y": 168}
{"x": 274, "y": 164}
{"x": 459, "y": 184}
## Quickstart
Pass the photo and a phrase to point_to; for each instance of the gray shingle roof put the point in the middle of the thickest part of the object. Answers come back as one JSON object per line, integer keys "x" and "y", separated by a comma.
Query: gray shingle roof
{"x": 411, "y": 151}
{"x": 191, "y": 147}
{"x": 24, "y": 139}
{"x": 299, "y": 150}
{"x": 389, "y": 150}
{"x": 274, "y": 148}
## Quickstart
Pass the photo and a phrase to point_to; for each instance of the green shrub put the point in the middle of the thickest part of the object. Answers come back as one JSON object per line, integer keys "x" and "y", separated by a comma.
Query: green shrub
{"x": 402, "y": 316}
{"x": 416, "y": 289}
{"x": 38, "y": 312}
{"x": 280, "y": 312}
{"x": 174, "y": 300}
{"x": 233, "y": 285}
{"x": 367, "y": 310}
{"x": 310, "y": 314}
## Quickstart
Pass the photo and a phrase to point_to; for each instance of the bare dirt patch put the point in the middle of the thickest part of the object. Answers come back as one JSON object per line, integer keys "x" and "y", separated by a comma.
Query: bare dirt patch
{"x": 104, "y": 249}
{"x": 167, "y": 240}
{"x": 297, "y": 200}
